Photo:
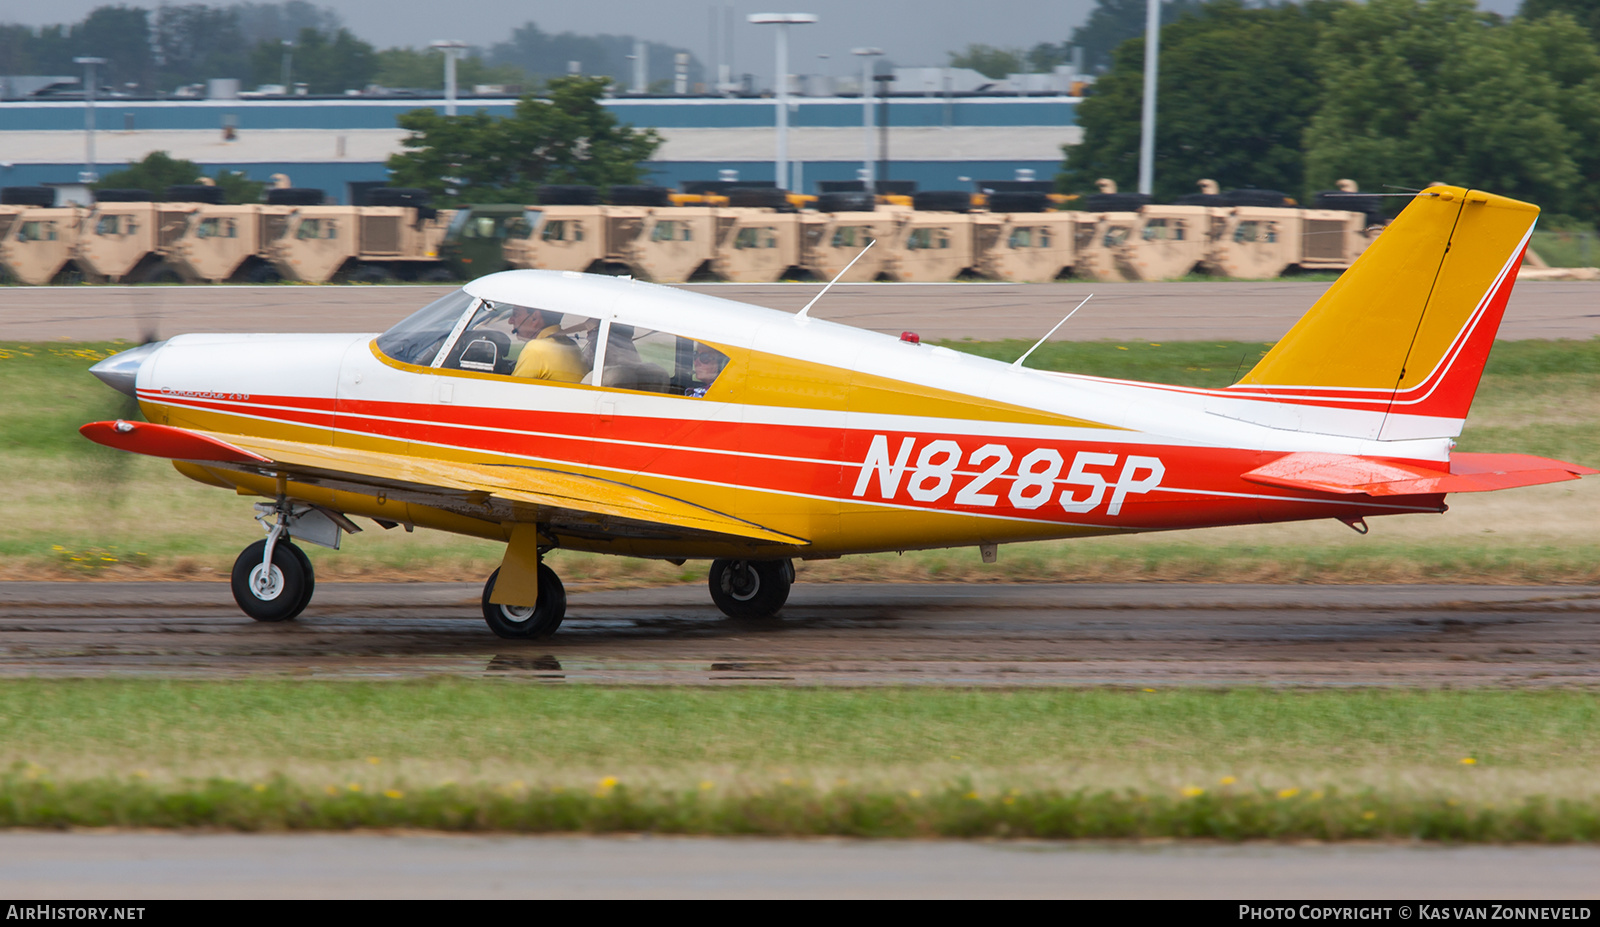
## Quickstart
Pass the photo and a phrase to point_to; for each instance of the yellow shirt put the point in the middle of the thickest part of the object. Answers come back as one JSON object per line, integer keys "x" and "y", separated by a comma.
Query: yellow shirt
{"x": 548, "y": 358}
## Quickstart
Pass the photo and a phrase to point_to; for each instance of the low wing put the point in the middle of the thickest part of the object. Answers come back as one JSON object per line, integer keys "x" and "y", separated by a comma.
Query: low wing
{"x": 1345, "y": 474}
{"x": 601, "y": 505}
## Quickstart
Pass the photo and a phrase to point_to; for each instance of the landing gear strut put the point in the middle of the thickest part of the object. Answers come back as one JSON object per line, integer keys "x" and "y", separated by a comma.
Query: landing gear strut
{"x": 751, "y": 588}
{"x": 519, "y": 622}
{"x": 273, "y": 579}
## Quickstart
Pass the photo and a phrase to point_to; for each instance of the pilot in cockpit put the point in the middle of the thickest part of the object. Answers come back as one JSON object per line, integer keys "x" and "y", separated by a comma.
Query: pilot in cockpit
{"x": 548, "y": 354}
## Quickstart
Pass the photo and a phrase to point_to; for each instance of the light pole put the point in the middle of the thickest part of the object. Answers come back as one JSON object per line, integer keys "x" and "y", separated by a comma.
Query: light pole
{"x": 783, "y": 21}
{"x": 451, "y": 49}
{"x": 89, "y": 175}
{"x": 288, "y": 58}
{"x": 868, "y": 179}
{"x": 1147, "y": 124}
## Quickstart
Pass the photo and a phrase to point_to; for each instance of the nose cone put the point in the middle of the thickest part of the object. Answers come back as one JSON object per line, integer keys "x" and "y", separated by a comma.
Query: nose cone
{"x": 121, "y": 371}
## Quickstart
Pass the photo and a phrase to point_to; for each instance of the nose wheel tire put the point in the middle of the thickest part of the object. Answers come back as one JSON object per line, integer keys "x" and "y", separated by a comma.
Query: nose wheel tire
{"x": 519, "y": 622}
{"x": 751, "y": 588}
{"x": 278, "y": 594}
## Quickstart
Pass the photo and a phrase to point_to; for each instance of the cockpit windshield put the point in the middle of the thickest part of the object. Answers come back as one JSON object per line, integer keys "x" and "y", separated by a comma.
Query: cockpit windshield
{"x": 418, "y": 338}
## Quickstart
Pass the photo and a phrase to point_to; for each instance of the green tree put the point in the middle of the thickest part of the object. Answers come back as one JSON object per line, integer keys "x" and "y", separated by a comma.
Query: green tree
{"x": 1116, "y": 21}
{"x": 1434, "y": 90}
{"x": 195, "y": 42}
{"x": 424, "y": 70}
{"x": 1585, "y": 12}
{"x": 544, "y": 56}
{"x": 325, "y": 62}
{"x": 159, "y": 170}
{"x": 1237, "y": 89}
{"x": 990, "y": 61}
{"x": 565, "y": 138}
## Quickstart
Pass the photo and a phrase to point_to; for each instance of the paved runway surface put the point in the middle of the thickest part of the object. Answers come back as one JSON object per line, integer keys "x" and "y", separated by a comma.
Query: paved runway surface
{"x": 1260, "y": 311}
{"x": 149, "y": 866}
{"x": 834, "y": 634}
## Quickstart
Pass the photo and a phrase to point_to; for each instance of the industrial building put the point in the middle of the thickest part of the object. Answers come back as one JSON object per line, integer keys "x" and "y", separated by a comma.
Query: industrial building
{"x": 940, "y": 139}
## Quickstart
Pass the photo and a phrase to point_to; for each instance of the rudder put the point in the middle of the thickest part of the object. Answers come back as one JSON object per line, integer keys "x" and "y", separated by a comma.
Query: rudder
{"x": 1405, "y": 332}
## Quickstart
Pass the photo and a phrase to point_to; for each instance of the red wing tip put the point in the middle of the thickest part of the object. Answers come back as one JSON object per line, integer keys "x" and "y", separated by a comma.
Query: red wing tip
{"x": 166, "y": 441}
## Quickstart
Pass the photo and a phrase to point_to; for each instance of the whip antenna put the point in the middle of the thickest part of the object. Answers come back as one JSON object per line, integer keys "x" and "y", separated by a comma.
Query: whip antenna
{"x": 1018, "y": 361}
{"x": 807, "y": 307}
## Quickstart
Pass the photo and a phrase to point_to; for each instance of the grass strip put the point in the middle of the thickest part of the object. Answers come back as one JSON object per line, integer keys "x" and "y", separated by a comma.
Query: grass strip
{"x": 955, "y": 811}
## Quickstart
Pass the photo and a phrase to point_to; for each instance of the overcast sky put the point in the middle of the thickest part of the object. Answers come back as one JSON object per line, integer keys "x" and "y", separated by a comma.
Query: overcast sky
{"x": 912, "y": 32}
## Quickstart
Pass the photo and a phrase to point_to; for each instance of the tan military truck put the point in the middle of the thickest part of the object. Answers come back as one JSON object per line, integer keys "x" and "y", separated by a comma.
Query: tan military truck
{"x": 755, "y": 245}
{"x": 561, "y": 238}
{"x": 37, "y": 243}
{"x": 125, "y": 240}
{"x": 830, "y": 241}
{"x": 1331, "y": 239}
{"x": 228, "y": 243}
{"x": 1166, "y": 242}
{"x": 664, "y": 245}
{"x": 364, "y": 244}
{"x": 1023, "y": 246}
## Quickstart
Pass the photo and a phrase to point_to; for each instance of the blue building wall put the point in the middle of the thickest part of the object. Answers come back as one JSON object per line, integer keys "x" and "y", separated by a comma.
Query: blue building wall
{"x": 331, "y": 114}
{"x": 670, "y": 113}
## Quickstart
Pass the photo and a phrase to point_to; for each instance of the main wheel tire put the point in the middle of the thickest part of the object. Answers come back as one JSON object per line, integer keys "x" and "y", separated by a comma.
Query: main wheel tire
{"x": 264, "y": 273}
{"x": 517, "y": 622}
{"x": 311, "y": 578}
{"x": 751, "y": 588}
{"x": 284, "y": 593}
{"x": 372, "y": 273}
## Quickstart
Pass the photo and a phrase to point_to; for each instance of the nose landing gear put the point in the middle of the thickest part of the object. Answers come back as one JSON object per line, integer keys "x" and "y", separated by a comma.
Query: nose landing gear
{"x": 275, "y": 589}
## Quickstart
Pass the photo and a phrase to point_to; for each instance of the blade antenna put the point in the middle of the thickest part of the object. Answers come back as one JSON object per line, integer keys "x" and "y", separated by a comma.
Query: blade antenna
{"x": 807, "y": 307}
{"x": 1018, "y": 361}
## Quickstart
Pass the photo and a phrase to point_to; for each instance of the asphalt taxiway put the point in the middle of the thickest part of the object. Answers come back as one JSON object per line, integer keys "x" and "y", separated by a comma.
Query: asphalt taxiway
{"x": 837, "y": 634}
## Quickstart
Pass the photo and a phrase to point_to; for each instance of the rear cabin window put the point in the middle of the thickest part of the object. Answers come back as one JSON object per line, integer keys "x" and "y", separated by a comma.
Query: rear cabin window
{"x": 659, "y": 362}
{"x": 852, "y": 236}
{"x": 216, "y": 227}
{"x": 925, "y": 238}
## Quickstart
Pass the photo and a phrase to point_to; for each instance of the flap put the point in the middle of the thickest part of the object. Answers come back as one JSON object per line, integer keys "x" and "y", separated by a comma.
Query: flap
{"x": 540, "y": 486}
{"x": 1373, "y": 476}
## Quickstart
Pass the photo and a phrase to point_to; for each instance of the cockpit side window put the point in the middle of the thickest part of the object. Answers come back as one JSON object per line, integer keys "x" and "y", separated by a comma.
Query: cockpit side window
{"x": 525, "y": 342}
{"x": 418, "y": 338}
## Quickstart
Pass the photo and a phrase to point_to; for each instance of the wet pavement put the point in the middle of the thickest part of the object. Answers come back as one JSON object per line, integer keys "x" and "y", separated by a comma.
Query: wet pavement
{"x": 834, "y": 634}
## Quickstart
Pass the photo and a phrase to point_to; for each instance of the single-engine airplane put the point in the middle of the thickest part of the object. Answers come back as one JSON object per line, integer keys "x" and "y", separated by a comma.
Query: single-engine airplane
{"x": 559, "y": 410}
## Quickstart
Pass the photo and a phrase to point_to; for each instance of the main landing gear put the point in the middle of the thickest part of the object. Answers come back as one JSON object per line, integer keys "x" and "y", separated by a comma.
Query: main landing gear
{"x": 520, "y": 622}
{"x": 751, "y": 588}
{"x": 273, "y": 579}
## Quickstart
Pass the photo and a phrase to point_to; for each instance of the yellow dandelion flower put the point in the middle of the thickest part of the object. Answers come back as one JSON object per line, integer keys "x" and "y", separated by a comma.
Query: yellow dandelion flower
{"x": 333, "y": 790}
{"x": 260, "y": 787}
{"x": 707, "y": 785}
{"x": 1008, "y": 800}
{"x": 141, "y": 774}
{"x": 1227, "y": 780}
{"x": 1146, "y": 690}
{"x": 955, "y": 756}
{"x": 1468, "y": 761}
{"x": 374, "y": 760}
{"x": 1317, "y": 795}
{"x": 1288, "y": 793}
{"x": 971, "y": 796}
{"x": 517, "y": 785}
{"x": 393, "y": 793}
{"x": 915, "y": 793}
{"x": 1155, "y": 344}
{"x": 1368, "y": 815}
{"x": 1192, "y": 791}
{"x": 354, "y": 786}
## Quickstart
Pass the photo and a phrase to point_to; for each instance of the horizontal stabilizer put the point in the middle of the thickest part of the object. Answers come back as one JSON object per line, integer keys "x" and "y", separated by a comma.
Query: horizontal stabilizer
{"x": 1349, "y": 475}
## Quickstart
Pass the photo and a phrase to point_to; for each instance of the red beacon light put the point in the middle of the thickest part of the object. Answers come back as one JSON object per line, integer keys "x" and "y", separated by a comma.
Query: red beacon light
{"x": 910, "y": 338}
